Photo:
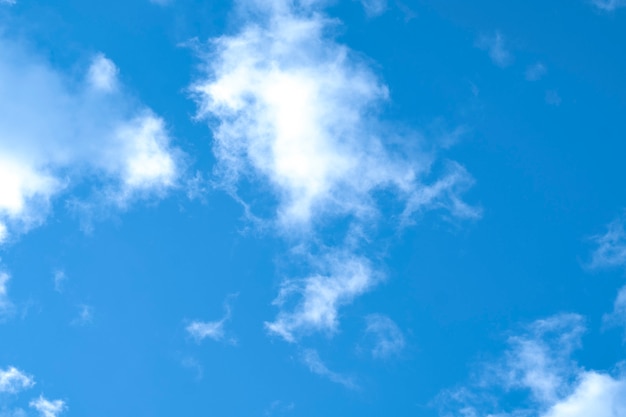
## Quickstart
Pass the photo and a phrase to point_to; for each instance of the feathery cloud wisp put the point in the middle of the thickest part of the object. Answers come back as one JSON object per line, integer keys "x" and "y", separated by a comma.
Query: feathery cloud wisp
{"x": 312, "y": 360}
{"x": 388, "y": 338}
{"x": 610, "y": 247}
{"x": 201, "y": 330}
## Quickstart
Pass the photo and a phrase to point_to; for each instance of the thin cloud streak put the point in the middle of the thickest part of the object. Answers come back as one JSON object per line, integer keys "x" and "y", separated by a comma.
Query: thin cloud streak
{"x": 312, "y": 360}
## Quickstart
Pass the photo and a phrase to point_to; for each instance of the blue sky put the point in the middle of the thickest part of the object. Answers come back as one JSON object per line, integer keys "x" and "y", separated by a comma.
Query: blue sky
{"x": 312, "y": 208}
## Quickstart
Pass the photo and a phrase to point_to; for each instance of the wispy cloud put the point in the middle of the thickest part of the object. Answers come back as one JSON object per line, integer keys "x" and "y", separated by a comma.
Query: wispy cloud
{"x": 374, "y": 7}
{"x": 295, "y": 113}
{"x": 608, "y": 5}
{"x": 57, "y": 132}
{"x": 312, "y": 360}
{"x": 388, "y": 338}
{"x": 48, "y": 408}
{"x": 618, "y": 315}
{"x": 6, "y": 306}
{"x": 538, "y": 365}
{"x": 496, "y": 46}
{"x": 610, "y": 248}
{"x": 7, "y": 2}
{"x": 320, "y": 296}
{"x": 201, "y": 330}
{"x": 12, "y": 380}
{"x": 59, "y": 279}
{"x": 536, "y": 72}
{"x": 84, "y": 317}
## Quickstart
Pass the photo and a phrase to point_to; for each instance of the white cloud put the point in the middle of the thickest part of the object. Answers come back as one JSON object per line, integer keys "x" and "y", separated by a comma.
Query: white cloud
{"x": 611, "y": 247}
{"x": 12, "y": 380}
{"x": 618, "y": 315}
{"x": 59, "y": 279}
{"x": 320, "y": 296}
{"x": 496, "y": 47}
{"x": 57, "y": 132}
{"x": 388, "y": 338}
{"x": 85, "y": 315}
{"x": 48, "y": 408}
{"x": 536, "y": 72}
{"x": 609, "y": 5}
{"x": 539, "y": 363}
{"x": 102, "y": 74}
{"x": 6, "y": 307}
{"x": 374, "y": 7}
{"x": 299, "y": 111}
{"x": 312, "y": 360}
{"x": 296, "y": 113}
{"x": 201, "y": 330}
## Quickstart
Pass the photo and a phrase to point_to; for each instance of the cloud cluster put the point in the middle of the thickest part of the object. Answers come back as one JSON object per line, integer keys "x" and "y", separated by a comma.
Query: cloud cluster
{"x": 13, "y": 381}
{"x": 297, "y": 114}
{"x": 538, "y": 365}
{"x": 57, "y": 132}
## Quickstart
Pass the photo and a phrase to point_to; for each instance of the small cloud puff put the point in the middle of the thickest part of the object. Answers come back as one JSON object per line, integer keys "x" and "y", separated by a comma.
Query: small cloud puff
{"x": 102, "y": 74}
{"x": 495, "y": 45}
{"x": 388, "y": 338}
{"x": 12, "y": 380}
{"x": 48, "y": 408}
{"x": 6, "y": 307}
{"x": 536, "y": 72}
{"x": 610, "y": 248}
{"x": 85, "y": 316}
